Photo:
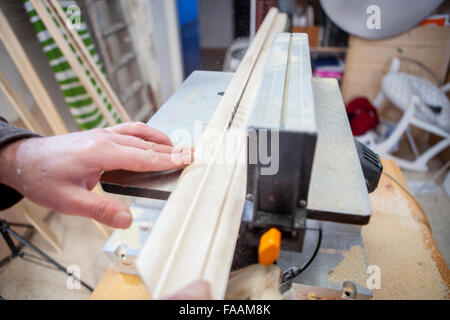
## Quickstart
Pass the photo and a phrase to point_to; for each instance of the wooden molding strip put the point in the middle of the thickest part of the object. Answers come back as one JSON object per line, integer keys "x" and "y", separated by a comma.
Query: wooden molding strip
{"x": 190, "y": 233}
{"x": 222, "y": 248}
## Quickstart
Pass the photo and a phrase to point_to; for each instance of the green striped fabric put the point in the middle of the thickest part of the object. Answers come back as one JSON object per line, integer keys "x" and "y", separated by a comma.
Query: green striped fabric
{"x": 83, "y": 109}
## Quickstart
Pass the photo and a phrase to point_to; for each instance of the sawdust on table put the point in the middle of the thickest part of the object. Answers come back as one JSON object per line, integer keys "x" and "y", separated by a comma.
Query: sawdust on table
{"x": 394, "y": 231}
{"x": 352, "y": 267}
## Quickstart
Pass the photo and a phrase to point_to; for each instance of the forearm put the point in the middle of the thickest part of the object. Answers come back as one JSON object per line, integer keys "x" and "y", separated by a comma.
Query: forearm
{"x": 10, "y": 137}
{"x": 9, "y": 172}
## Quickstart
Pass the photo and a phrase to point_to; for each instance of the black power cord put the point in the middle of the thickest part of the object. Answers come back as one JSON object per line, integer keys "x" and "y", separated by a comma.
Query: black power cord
{"x": 293, "y": 272}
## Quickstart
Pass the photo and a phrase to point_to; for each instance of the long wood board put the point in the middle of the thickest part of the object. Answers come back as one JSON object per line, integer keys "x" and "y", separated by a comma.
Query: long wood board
{"x": 223, "y": 246}
{"x": 185, "y": 238}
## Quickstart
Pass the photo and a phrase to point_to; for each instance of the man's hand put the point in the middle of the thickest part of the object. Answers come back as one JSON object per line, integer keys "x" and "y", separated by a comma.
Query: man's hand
{"x": 58, "y": 172}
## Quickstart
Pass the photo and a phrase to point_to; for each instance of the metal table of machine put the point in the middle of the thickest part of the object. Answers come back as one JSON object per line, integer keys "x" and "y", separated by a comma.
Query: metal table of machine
{"x": 337, "y": 189}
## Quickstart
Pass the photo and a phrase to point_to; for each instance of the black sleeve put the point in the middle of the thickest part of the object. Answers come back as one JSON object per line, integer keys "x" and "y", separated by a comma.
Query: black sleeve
{"x": 8, "y": 134}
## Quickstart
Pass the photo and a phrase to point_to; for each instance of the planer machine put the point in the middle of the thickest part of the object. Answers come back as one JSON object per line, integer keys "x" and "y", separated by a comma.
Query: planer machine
{"x": 308, "y": 179}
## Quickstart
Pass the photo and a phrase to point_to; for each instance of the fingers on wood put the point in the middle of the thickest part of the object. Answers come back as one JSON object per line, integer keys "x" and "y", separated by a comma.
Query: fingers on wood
{"x": 142, "y": 131}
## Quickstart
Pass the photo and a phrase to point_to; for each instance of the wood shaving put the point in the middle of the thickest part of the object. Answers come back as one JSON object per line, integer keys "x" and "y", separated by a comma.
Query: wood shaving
{"x": 397, "y": 231}
{"x": 352, "y": 268}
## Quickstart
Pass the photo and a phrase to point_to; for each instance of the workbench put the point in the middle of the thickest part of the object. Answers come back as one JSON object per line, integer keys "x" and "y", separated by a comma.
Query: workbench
{"x": 398, "y": 239}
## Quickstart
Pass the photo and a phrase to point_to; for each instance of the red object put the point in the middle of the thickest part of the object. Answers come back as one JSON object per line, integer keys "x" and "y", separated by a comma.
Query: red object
{"x": 440, "y": 20}
{"x": 362, "y": 116}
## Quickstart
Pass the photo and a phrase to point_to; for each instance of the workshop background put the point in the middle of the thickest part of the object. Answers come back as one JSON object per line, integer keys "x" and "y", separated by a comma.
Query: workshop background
{"x": 146, "y": 48}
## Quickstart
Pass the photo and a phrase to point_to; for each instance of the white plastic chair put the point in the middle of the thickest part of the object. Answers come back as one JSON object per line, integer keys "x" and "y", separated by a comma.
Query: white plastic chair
{"x": 424, "y": 105}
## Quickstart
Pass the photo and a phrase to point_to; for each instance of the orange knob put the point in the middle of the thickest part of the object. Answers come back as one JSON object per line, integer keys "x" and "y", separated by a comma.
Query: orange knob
{"x": 269, "y": 246}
